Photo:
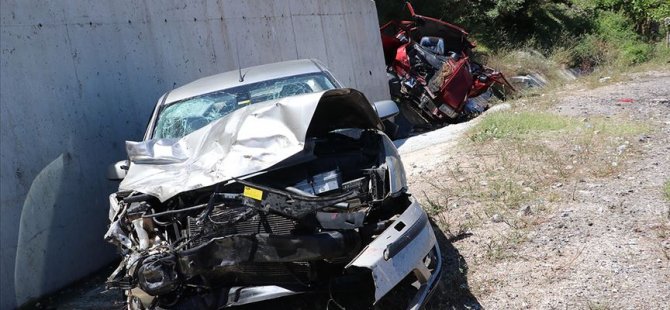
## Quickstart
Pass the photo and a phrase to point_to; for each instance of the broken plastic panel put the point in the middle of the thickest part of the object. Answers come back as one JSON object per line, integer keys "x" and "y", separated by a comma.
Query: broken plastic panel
{"x": 321, "y": 183}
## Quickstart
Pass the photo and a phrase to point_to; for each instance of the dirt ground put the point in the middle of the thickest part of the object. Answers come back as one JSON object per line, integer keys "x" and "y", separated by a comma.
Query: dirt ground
{"x": 597, "y": 242}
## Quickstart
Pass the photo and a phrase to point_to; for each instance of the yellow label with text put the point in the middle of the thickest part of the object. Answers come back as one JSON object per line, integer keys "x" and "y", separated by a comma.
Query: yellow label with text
{"x": 253, "y": 193}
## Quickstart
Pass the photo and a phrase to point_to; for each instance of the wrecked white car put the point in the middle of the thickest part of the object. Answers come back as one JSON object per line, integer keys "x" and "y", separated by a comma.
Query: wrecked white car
{"x": 297, "y": 195}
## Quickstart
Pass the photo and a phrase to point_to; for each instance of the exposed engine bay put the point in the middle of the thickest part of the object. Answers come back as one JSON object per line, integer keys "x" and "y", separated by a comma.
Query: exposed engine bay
{"x": 306, "y": 223}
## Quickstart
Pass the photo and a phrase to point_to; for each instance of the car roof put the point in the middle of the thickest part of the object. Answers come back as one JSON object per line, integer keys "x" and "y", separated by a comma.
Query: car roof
{"x": 251, "y": 75}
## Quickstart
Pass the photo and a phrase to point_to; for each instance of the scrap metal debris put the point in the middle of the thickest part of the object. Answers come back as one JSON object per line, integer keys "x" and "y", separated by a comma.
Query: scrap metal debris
{"x": 433, "y": 76}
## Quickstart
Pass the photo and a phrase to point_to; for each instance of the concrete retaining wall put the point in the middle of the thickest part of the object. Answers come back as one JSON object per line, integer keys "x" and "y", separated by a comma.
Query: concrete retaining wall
{"x": 80, "y": 77}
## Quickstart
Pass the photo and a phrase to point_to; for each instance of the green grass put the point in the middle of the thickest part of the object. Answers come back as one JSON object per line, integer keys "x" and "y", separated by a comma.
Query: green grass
{"x": 609, "y": 127}
{"x": 513, "y": 125}
{"x": 517, "y": 125}
{"x": 666, "y": 190}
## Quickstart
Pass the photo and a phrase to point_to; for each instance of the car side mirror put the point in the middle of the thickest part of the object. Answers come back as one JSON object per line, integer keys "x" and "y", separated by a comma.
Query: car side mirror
{"x": 386, "y": 109}
{"x": 118, "y": 170}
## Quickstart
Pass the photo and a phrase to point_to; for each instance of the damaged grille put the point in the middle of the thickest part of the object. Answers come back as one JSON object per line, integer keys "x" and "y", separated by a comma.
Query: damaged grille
{"x": 278, "y": 225}
{"x": 263, "y": 274}
{"x": 219, "y": 224}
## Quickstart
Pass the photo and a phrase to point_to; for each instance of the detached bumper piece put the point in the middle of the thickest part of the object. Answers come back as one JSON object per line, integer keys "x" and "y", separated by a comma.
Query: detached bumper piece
{"x": 409, "y": 247}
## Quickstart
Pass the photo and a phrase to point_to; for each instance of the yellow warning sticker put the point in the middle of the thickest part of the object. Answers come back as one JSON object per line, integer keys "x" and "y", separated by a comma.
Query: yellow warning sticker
{"x": 253, "y": 193}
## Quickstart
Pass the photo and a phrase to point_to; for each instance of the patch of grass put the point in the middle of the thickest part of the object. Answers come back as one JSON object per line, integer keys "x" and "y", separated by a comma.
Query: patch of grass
{"x": 616, "y": 128}
{"x": 511, "y": 125}
{"x": 514, "y": 161}
{"x": 603, "y": 145}
{"x": 613, "y": 44}
{"x": 522, "y": 62}
{"x": 503, "y": 246}
{"x": 438, "y": 209}
{"x": 516, "y": 125}
{"x": 496, "y": 250}
{"x": 661, "y": 54}
{"x": 666, "y": 190}
{"x": 434, "y": 206}
{"x": 518, "y": 164}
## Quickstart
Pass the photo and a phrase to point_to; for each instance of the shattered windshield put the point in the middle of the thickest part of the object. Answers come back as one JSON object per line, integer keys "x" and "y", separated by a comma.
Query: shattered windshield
{"x": 183, "y": 117}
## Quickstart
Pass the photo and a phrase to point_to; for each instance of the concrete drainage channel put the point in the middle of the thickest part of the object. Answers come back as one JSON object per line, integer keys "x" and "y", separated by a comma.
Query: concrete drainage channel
{"x": 447, "y": 134}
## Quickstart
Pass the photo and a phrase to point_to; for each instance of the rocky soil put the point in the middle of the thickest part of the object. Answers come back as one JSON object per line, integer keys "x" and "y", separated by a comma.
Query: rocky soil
{"x": 603, "y": 243}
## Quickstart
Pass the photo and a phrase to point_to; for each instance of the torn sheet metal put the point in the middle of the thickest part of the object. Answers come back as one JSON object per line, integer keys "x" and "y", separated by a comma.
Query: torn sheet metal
{"x": 248, "y": 140}
{"x": 275, "y": 199}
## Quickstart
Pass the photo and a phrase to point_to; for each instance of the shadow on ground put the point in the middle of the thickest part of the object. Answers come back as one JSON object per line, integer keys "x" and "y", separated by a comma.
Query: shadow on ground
{"x": 453, "y": 292}
{"x": 89, "y": 293}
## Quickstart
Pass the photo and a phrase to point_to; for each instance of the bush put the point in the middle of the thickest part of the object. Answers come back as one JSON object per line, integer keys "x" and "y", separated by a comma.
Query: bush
{"x": 615, "y": 27}
{"x": 634, "y": 52}
{"x": 590, "y": 51}
{"x": 661, "y": 53}
{"x": 613, "y": 42}
{"x": 619, "y": 33}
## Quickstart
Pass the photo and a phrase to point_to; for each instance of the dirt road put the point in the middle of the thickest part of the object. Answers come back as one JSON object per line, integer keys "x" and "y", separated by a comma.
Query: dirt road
{"x": 587, "y": 241}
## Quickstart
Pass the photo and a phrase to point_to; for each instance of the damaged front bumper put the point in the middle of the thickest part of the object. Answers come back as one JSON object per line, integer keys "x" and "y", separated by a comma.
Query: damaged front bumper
{"x": 253, "y": 265}
{"x": 228, "y": 252}
{"x": 407, "y": 248}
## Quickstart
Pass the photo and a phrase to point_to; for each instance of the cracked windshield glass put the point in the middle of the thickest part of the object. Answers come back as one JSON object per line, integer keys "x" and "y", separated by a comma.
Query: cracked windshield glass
{"x": 183, "y": 117}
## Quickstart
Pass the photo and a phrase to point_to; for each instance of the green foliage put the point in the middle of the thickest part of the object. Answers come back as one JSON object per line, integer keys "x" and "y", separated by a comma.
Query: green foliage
{"x": 661, "y": 53}
{"x": 644, "y": 15}
{"x": 615, "y": 27}
{"x": 632, "y": 53}
{"x": 579, "y": 33}
{"x": 590, "y": 51}
{"x": 612, "y": 42}
{"x": 501, "y": 23}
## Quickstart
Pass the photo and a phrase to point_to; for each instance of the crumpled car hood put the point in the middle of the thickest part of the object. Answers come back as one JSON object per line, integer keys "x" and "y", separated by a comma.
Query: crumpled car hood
{"x": 246, "y": 141}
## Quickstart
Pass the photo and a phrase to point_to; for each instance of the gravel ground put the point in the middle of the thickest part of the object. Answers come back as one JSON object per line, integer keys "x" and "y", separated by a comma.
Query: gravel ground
{"x": 606, "y": 248}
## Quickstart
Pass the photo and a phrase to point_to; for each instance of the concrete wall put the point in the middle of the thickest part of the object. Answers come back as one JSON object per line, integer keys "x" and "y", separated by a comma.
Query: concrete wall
{"x": 80, "y": 77}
